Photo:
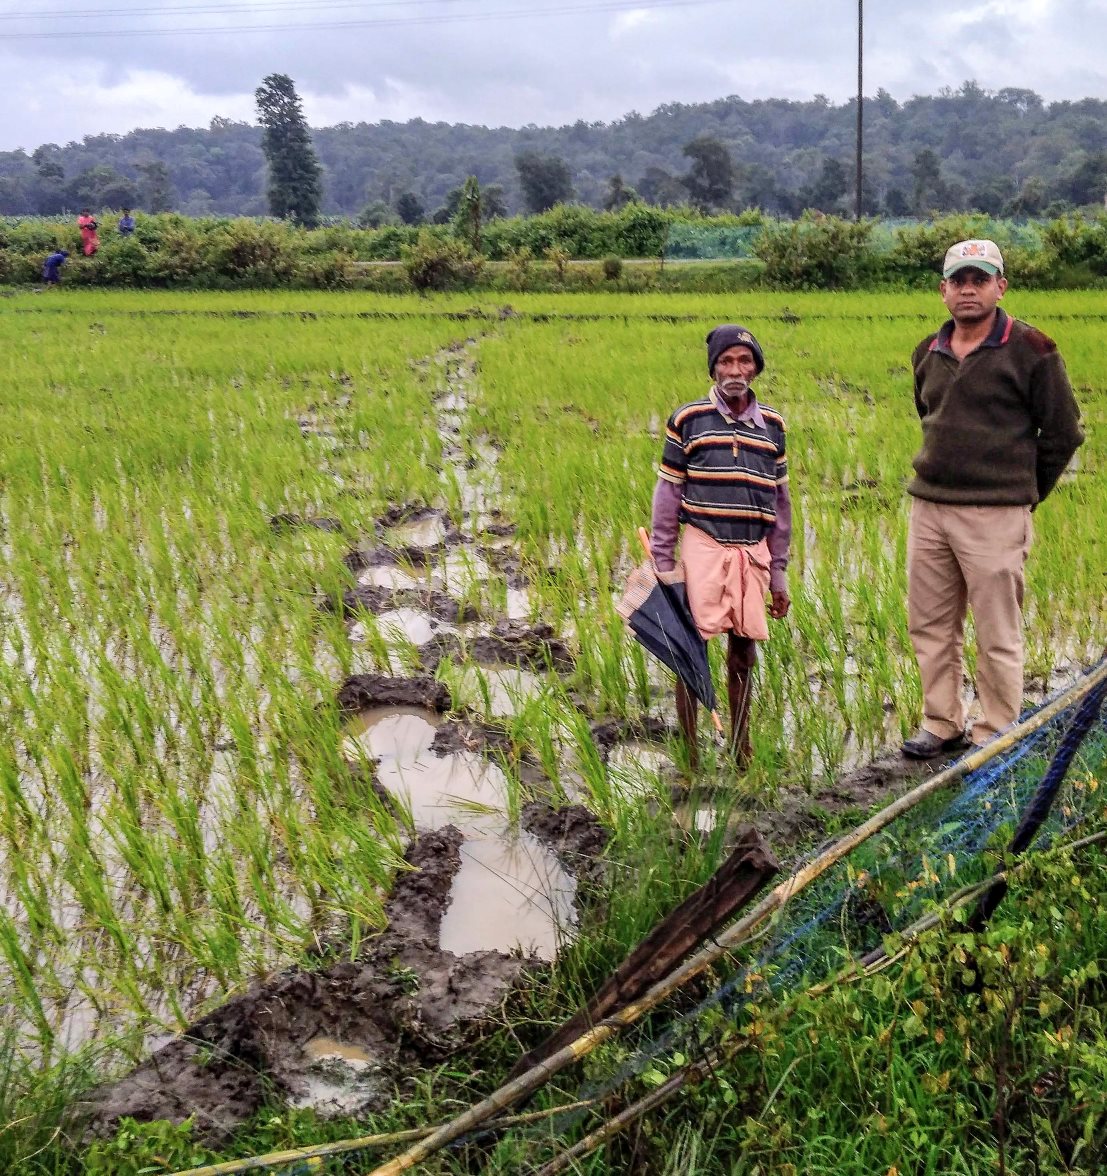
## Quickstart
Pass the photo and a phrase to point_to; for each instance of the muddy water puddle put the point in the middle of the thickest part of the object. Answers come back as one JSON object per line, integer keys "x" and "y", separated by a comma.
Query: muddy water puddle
{"x": 518, "y": 606}
{"x": 395, "y": 732}
{"x": 410, "y": 624}
{"x": 321, "y": 1048}
{"x": 510, "y": 892}
{"x": 496, "y": 691}
{"x": 458, "y": 571}
{"x": 391, "y": 576}
{"x": 705, "y": 818}
{"x": 419, "y": 533}
{"x": 341, "y": 1079}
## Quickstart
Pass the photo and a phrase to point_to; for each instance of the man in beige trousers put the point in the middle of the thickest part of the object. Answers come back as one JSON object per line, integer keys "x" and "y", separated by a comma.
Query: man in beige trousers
{"x": 999, "y": 425}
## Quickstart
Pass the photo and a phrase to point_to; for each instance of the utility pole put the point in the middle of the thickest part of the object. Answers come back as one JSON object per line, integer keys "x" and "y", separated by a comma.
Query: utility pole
{"x": 860, "y": 99}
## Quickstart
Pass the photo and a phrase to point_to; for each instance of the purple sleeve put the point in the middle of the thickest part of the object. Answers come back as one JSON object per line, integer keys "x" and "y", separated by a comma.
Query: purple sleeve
{"x": 665, "y": 526}
{"x": 779, "y": 539}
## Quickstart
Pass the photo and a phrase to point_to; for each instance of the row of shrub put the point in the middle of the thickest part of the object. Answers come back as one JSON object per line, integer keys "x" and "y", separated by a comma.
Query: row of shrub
{"x": 538, "y": 252}
{"x": 822, "y": 253}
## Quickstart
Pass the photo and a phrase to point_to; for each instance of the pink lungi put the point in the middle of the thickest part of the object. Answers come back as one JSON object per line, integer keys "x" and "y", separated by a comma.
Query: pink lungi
{"x": 726, "y": 585}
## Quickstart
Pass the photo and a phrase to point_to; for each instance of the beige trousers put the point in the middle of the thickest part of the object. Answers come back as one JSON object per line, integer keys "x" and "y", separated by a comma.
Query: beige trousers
{"x": 961, "y": 557}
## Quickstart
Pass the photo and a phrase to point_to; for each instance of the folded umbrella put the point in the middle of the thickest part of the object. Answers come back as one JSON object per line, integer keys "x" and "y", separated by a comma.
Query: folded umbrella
{"x": 660, "y": 619}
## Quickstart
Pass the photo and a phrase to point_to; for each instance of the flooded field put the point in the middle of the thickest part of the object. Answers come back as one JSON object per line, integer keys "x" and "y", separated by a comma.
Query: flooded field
{"x": 281, "y": 596}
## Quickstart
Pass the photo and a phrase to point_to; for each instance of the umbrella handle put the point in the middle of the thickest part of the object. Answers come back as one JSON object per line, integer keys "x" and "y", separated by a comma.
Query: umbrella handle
{"x": 644, "y": 539}
{"x": 717, "y": 723}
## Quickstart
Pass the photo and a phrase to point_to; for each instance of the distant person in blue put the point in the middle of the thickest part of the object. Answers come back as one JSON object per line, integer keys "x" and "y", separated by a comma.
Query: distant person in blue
{"x": 51, "y": 266}
{"x": 126, "y": 223}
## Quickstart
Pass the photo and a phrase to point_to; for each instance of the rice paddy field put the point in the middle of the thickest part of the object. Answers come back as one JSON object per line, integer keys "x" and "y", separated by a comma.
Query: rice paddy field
{"x": 215, "y": 509}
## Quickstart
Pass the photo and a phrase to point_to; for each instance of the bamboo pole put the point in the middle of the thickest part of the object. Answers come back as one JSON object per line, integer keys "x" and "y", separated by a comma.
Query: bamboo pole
{"x": 314, "y": 1155}
{"x": 624, "y": 1118}
{"x": 738, "y": 933}
{"x": 858, "y": 970}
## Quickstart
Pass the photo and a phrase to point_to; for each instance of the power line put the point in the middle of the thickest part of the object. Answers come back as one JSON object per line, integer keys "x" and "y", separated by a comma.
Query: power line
{"x": 207, "y": 8}
{"x": 388, "y": 22}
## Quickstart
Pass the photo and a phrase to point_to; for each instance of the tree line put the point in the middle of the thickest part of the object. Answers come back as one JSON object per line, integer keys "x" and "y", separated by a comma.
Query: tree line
{"x": 1005, "y": 153}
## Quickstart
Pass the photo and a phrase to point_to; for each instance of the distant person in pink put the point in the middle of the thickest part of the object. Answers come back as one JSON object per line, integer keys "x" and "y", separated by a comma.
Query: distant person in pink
{"x": 90, "y": 241}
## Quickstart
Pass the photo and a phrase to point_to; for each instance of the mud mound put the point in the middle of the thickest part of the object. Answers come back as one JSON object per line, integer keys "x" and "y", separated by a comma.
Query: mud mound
{"x": 376, "y": 556}
{"x": 649, "y": 729}
{"x": 363, "y": 691}
{"x": 439, "y": 605}
{"x": 511, "y": 643}
{"x": 402, "y": 1003}
{"x": 471, "y": 735}
{"x": 883, "y": 778}
{"x": 405, "y": 512}
{"x": 574, "y": 834}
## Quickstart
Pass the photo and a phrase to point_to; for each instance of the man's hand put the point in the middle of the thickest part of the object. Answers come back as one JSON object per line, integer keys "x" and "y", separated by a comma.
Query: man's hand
{"x": 781, "y": 603}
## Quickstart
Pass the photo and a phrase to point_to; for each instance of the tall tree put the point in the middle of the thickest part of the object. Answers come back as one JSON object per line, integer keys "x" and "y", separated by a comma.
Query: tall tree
{"x": 545, "y": 180}
{"x": 492, "y": 201}
{"x": 1030, "y": 199}
{"x": 49, "y": 180}
{"x": 930, "y": 189}
{"x": 829, "y": 189}
{"x": 619, "y": 194}
{"x": 710, "y": 181}
{"x": 409, "y": 208}
{"x": 101, "y": 187}
{"x": 657, "y": 186}
{"x": 468, "y": 217}
{"x": 156, "y": 190}
{"x": 294, "y": 187}
{"x": 1088, "y": 183}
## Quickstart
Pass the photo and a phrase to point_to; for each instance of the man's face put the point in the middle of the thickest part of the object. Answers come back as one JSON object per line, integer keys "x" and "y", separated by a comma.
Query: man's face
{"x": 971, "y": 295}
{"x": 735, "y": 370}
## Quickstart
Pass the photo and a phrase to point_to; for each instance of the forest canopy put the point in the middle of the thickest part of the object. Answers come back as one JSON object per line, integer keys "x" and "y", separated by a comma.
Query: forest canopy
{"x": 1004, "y": 152}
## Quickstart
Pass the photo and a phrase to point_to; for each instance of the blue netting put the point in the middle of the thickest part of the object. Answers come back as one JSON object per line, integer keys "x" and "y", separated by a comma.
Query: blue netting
{"x": 888, "y": 882}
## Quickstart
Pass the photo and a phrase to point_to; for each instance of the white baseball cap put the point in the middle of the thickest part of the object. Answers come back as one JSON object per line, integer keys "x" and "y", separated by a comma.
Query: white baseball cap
{"x": 981, "y": 255}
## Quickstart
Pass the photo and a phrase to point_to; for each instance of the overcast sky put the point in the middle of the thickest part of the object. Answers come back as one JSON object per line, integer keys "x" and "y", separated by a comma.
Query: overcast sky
{"x": 70, "y": 68}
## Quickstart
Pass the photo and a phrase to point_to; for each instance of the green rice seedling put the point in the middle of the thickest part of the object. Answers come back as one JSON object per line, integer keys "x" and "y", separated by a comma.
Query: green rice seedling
{"x": 175, "y": 815}
{"x": 590, "y": 769}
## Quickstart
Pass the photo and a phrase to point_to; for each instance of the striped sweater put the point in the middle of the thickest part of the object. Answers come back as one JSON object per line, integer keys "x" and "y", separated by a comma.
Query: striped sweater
{"x": 728, "y": 471}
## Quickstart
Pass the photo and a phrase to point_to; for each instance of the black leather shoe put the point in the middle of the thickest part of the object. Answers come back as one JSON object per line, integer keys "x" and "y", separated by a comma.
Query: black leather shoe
{"x": 925, "y": 744}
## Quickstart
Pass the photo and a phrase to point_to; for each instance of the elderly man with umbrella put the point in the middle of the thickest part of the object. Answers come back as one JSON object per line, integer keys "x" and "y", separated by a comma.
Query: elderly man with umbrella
{"x": 724, "y": 476}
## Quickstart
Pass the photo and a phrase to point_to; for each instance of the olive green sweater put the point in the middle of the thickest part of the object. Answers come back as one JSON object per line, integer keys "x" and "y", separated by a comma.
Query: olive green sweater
{"x": 1000, "y": 425}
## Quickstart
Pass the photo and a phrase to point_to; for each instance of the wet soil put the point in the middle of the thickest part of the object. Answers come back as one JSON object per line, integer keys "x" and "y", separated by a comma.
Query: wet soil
{"x": 610, "y": 733}
{"x": 290, "y": 522}
{"x": 403, "y": 1002}
{"x": 884, "y": 778}
{"x": 510, "y": 643}
{"x": 441, "y": 606}
{"x": 575, "y": 836}
{"x": 362, "y": 692}
{"x": 798, "y": 817}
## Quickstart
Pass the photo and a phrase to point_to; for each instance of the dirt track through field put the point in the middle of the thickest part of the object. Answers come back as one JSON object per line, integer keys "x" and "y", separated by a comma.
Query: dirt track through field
{"x": 488, "y": 897}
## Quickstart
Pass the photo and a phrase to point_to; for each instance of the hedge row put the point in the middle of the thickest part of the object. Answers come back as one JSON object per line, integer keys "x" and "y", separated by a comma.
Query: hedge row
{"x": 821, "y": 253}
{"x": 810, "y": 253}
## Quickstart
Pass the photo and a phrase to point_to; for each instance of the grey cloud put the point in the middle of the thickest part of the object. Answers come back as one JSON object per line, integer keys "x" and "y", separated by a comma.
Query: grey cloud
{"x": 542, "y": 70}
